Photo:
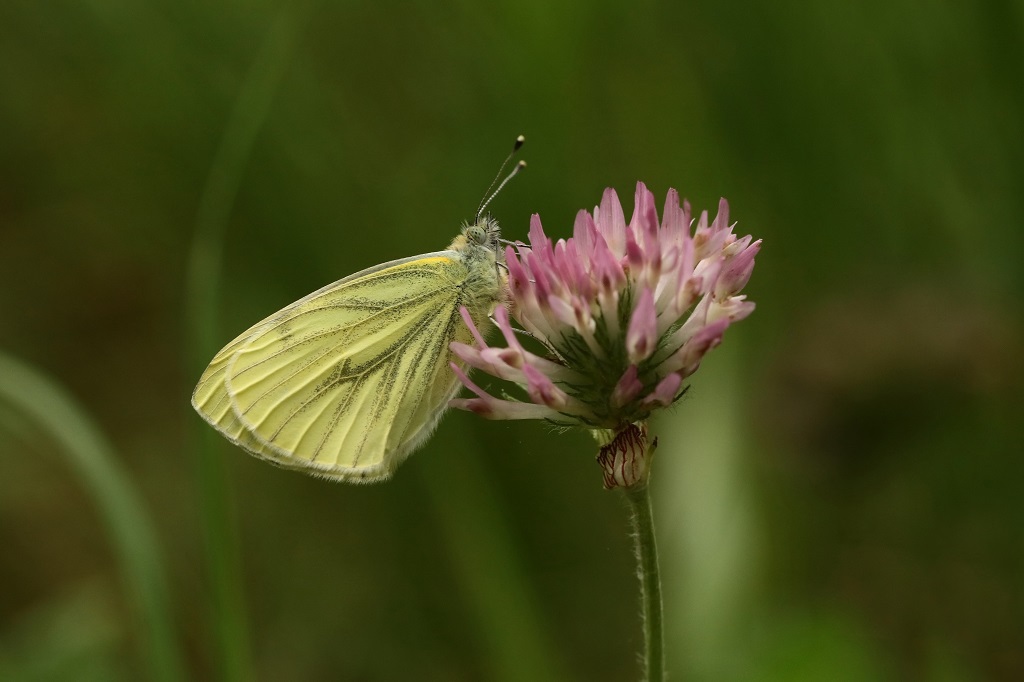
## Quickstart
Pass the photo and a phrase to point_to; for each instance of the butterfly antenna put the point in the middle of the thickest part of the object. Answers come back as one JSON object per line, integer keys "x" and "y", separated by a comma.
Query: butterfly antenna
{"x": 489, "y": 195}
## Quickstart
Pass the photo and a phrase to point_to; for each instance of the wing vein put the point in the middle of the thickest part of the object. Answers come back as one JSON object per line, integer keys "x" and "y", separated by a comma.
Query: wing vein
{"x": 330, "y": 330}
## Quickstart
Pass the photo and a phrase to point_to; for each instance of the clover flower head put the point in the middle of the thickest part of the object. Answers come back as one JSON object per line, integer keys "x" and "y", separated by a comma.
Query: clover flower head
{"x": 620, "y": 313}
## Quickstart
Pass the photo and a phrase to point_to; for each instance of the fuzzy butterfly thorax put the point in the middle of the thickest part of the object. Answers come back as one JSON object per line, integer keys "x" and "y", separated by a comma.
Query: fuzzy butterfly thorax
{"x": 486, "y": 281}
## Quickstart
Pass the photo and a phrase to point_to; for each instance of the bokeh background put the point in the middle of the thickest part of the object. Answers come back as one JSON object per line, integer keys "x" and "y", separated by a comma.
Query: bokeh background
{"x": 838, "y": 498}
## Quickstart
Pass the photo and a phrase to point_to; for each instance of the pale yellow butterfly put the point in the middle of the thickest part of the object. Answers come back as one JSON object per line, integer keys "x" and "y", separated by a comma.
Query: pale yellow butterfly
{"x": 348, "y": 381}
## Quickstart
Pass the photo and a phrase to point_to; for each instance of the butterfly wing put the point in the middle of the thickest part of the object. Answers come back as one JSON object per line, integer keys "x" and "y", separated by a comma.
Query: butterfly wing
{"x": 348, "y": 381}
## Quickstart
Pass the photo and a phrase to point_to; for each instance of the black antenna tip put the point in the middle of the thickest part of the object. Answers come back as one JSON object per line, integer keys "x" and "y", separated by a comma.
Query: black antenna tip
{"x": 489, "y": 195}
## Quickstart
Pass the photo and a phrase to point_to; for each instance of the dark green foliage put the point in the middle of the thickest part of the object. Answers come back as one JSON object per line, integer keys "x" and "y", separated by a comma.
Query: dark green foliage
{"x": 838, "y": 495}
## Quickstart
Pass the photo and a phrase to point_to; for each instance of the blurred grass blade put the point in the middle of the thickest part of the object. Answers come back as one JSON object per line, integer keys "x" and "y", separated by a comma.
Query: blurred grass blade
{"x": 513, "y": 633}
{"x": 709, "y": 530}
{"x": 122, "y": 511}
{"x": 203, "y": 282}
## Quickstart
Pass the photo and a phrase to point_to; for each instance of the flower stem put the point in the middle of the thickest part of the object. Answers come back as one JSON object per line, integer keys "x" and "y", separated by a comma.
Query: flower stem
{"x": 639, "y": 498}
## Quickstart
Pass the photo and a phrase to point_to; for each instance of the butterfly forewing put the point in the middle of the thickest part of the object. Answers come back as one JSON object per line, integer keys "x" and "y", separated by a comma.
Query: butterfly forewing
{"x": 347, "y": 381}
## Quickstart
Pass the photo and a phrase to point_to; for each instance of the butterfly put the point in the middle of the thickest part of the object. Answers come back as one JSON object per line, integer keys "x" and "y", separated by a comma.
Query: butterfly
{"x": 347, "y": 382}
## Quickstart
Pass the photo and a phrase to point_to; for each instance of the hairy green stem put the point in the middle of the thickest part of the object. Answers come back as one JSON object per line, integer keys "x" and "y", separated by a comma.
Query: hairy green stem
{"x": 639, "y": 498}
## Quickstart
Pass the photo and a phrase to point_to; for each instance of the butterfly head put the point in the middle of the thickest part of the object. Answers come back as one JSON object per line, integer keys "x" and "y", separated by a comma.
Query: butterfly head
{"x": 484, "y": 232}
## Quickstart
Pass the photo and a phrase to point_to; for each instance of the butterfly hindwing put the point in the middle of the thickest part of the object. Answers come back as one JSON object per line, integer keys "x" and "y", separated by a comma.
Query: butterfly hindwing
{"x": 346, "y": 382}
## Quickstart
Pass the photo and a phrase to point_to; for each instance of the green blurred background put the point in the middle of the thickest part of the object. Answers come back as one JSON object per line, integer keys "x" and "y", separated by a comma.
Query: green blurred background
{"x": 839, "y": 498}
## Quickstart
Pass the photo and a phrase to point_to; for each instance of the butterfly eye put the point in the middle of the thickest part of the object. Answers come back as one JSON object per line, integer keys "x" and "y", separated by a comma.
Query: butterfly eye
{"x": 476, "y": 234}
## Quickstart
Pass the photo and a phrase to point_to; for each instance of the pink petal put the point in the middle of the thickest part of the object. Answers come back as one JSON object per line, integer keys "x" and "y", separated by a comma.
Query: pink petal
{"x": 543, "y": 391}
{"x": 468, "y": 383}
{"x": 505, "y": 409}
{"x": 575, "y": 264}
{"x": 611, "y": 222}
{"x": 469, "y": 355}
{"x": 634, "y": 255}
{"x": 505, "y": 325}
{"x": 563, "y": 311}
{"x": 736, "y": 271}
{"x": 734, "y": 308}
{"x": 644, "y": 223}
{"x": 519, "y": 280}
{"x": 697, "y": 319}
{"x": 627, "y": 388}
{"x": 584, "y": 231}
{"x": 642, "y": 336}
{"x": 554, "y": 370}
{"x": 688, "y": 358}
{"x": 606, "y": 268}
{"x": 468, "y": 319}
{"x": 503, "y": 363}
{"x": 722, "y": 219}
{"x": 538, "y": 240}
{"x": 675, "y": 223}
{"x": 665, "y": 392}
{"x": 541, "y": 282}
